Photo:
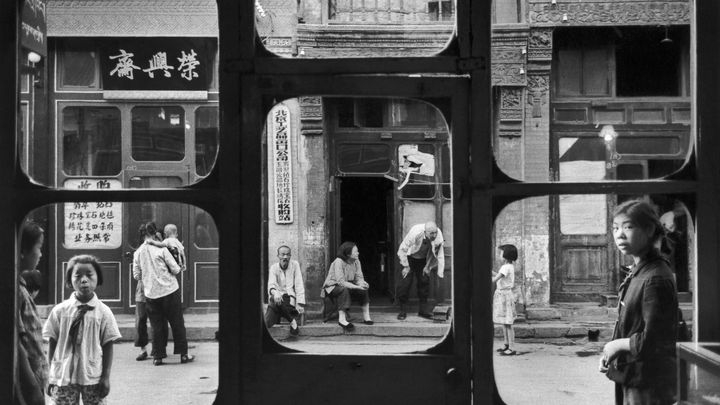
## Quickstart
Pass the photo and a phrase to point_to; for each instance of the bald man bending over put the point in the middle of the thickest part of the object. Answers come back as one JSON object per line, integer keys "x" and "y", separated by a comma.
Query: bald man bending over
{"x": 420, "y": 252}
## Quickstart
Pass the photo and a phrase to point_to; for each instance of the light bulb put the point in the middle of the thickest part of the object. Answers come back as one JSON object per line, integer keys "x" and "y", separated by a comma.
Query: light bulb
{"x": 34, "y": 57}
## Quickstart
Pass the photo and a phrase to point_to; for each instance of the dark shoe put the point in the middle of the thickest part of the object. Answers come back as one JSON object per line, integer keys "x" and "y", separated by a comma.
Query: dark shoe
{"x": 294, "y": 331}
{"x": 508, "y": 352}
{"x": 426, "y": 315}
{"x": 142, "y": 356}
{"x": 502, "y": 349}
{"x": 186, "y": 358}
{"x": 402, "y": 316}
{"x": 347, "y": 327}
{"x": 368, "y": 322}
{"x": 162, "y": 356}
{"x": 157, "y": 362}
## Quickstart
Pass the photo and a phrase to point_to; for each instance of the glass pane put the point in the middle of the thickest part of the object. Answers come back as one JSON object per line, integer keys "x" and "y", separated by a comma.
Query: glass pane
{"x": 206, "y": 233}
{"x": 78, "y": 69}
{"x": 119, "y": 89}
{"x": 560, "y": 296}
{"x": 409, "y": 113}
{"x": 158, "y": 133}
{"x": 417, "y": 166}
{"x": 364, "y": 158}
{"x": 91, "y": 141}
{"x": 648, "y": 47}
{"x": 207, "y": 135}
{"x": 193, "y": 290}
{"x": 142, "y": 213}
{"x": 578, "y": 72}
{"x": 354, "y": 186}
{"x": 347, "y": 28}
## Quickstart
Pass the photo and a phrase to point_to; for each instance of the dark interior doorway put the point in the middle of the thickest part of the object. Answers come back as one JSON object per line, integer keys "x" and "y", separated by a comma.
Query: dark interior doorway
{"x": 366, "y": 216}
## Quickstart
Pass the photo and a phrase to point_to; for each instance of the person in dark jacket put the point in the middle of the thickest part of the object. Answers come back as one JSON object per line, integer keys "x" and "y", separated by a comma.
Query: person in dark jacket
{"x": 641, "y": 356}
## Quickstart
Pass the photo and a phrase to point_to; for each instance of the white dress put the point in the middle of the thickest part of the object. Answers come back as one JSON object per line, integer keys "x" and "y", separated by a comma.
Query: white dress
{"x": 504, "y": 299}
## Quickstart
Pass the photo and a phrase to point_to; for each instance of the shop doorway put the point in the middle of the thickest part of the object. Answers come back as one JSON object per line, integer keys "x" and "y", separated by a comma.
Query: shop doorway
{"x": 366, "y": 217}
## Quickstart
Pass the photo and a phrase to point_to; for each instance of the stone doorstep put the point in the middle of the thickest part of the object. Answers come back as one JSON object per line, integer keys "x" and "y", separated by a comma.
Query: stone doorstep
{"x": 419, "y": 328}
{"x": 556, "y": 330}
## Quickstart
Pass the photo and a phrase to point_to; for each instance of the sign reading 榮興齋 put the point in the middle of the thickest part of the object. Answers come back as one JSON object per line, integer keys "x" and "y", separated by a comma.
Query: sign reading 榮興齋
{"x": 282, "y": 163}
{"x": 33, "y": 26}
{"x": 157, "y": 63}
{"x": 92, "y": 225}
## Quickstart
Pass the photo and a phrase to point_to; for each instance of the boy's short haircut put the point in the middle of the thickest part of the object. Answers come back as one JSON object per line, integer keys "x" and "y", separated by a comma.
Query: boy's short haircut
{"x": 33, "y": 280}
{"x": 170, "y": 229}
{"x": 510, "y": 252}
{"x": 83, "y": 259}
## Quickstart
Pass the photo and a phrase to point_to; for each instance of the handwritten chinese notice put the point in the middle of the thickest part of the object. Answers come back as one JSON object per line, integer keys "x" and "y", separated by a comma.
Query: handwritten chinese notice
{"x": 93, "y": 225}
{"x": 282, "y": 163}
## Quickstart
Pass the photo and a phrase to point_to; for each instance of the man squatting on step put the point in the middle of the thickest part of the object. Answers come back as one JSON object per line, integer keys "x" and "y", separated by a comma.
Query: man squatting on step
{"x": 286, "y": 291}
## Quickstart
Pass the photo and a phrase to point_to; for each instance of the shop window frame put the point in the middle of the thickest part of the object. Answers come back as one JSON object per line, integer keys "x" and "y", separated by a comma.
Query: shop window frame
{"x": 256, "y": 77}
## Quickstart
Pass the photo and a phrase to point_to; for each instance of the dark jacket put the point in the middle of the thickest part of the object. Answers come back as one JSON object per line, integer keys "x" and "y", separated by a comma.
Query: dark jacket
{"x": 648, "y": 311}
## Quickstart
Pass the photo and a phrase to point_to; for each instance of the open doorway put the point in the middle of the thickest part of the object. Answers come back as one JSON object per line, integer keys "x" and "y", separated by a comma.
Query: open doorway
{"x": 366, "y": 218}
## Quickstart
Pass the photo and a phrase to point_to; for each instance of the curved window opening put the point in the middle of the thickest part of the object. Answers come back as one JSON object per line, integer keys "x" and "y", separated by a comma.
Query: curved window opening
{"x": 385, "y": 183}
{"x": 344, "y": 28}
{"x": 563, "y": 288}
{"x": 149, "y": 265}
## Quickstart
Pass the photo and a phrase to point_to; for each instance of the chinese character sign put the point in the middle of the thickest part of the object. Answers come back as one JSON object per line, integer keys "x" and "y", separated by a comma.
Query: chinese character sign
{"x": 33, "y": 27}
{"x": 157, "y": 63}
{"x": 92, "y": 225}
{"x": 282, "y": 164}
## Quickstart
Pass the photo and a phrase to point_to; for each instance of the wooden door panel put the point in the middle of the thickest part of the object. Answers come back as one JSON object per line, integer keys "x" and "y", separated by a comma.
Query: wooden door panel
{"x": 584, "y": 265}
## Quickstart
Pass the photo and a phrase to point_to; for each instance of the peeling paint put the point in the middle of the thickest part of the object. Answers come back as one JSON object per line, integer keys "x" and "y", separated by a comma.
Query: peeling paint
{"x": 537, "y": 270}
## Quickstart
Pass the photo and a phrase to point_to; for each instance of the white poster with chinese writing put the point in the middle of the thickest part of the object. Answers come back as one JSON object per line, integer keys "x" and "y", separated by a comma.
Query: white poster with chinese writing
{"x": 92, "y": 225}
{"x": 282, "y": 164}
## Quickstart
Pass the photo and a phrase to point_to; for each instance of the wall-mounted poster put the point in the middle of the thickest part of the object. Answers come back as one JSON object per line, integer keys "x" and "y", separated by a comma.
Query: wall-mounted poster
{"x": 92, "y": 225}
{"x": 282, "y": 164}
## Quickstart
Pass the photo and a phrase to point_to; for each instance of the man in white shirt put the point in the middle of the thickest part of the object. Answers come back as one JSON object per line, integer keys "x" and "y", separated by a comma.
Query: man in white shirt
{"x": 286, "y": 291}
{"x": 420, "y": 252}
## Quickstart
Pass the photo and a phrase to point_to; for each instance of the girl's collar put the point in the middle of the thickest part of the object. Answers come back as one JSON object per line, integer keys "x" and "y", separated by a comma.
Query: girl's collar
{"x": 651, "y": 256}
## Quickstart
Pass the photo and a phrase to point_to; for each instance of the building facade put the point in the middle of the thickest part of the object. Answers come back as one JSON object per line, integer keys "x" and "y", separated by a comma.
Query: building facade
{"x": 568, "y": 106}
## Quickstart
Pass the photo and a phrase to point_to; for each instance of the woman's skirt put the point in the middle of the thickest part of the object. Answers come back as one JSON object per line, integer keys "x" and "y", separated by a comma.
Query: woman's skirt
{"x": 504, "y": 307}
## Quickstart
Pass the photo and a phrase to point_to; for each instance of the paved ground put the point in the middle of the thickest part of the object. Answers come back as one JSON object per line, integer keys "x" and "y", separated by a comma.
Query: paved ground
{"x": 139, "y": 382}
{"x": 560, "y": 373}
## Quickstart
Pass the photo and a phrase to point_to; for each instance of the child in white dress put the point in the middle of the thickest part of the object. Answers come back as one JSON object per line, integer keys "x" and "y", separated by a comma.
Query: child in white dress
{"x": 504, "y": 300}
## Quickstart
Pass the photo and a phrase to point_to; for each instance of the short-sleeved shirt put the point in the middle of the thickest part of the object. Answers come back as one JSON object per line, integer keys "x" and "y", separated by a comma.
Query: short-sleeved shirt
{"x": 30, "y": 335}
{"x": 79, "y": 362}
{"x": 508, "y": 281}
{"x": 156, "y": 267}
